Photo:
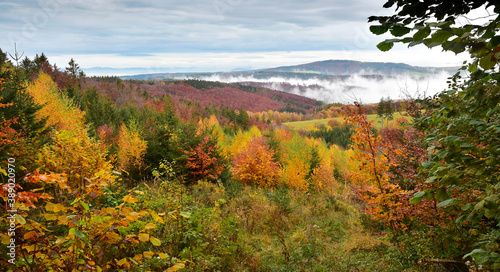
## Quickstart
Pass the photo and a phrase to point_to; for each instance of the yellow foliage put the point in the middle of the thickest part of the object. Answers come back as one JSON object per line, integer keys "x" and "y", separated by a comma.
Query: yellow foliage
{"x": 131, "y": 147}
{"x": 58, "y": 109}
{"x": 295, "y": 155}
{"x": 238, "y": 144}
{"x": 205, "y": 124}
{"x": 81, "y": 158}
{"x": 341, "y": 159}
{"x": 294, "y": 173}
{"x": 73, "y": 153}
{"x": 322, "y": 176}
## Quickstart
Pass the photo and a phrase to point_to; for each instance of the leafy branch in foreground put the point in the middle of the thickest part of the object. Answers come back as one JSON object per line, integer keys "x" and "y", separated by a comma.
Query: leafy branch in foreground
{"x": 462, "y": 127}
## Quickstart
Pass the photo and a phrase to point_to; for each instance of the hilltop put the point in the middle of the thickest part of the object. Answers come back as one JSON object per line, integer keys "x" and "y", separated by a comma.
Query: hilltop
{"x": 327, "y": 69}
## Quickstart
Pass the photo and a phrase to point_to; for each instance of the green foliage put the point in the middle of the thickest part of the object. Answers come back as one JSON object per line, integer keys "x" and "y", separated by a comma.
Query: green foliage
{"x": 334, "y": 135}
{"x": 100, "y": 110}
{"x": 74, "y": 70}
{"x": 462, "y": 126}
{"x": 385, "y": 109}
{"x": 289, "y": 108}
{"x": 161, "y": 134}
{"x": 239, "y": 119}
{"x": 23, "y": 110}
{"x": 203, "y": 84}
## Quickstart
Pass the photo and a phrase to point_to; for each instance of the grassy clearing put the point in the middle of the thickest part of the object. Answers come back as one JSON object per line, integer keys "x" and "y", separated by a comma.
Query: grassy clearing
{"x": 287, "y": 230}
{"x": 306, "y": 124}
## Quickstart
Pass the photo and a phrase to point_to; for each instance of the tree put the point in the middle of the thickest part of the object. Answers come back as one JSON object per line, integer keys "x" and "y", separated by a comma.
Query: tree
{"x": 256, "y": 165}
{"x": 203, "y": 161}
{"x": 21, "y": 132}
{"x": 74, "y": 69}
{"x": 3, "y": 59}
{"x": 40, "y": 60}
{"x": 385, "y": 110}
{"x": 381, "y": 110}
{"x": 389, "y": 109}
{"x": 131, "y": 147}
{"x": 462, "y": 126}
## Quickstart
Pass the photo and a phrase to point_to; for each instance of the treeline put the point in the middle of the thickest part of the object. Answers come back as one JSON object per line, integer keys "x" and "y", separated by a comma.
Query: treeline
{"x": 100, "y": 156}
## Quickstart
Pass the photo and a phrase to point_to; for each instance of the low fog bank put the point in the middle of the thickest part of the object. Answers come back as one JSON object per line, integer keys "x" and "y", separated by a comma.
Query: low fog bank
{"x": 345, "y": 89}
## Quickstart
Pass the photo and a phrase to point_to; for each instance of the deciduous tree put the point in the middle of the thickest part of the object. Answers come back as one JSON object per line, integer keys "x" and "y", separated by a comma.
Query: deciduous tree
{"x": 462, "y": 127}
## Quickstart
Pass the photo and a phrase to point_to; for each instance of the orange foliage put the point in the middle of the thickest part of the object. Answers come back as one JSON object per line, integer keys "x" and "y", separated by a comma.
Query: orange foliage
{"x": 256, "y": 165}
{"x": 8, "y": 135}
{"x": 203, "y": 162}
{"x": 74, "y": 153}
{"x": 386, "y": 166}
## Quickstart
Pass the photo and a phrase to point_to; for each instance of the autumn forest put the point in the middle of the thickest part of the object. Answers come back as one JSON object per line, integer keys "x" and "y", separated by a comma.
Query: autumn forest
{"x": 99, "y": 173}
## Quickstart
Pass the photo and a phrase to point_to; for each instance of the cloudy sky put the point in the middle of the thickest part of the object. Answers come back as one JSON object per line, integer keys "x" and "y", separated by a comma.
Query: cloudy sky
{"x": 200, "y": 35}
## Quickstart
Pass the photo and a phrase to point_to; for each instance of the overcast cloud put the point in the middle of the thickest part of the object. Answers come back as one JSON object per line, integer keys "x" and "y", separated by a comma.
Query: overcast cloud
{"x": 196, "y": 35}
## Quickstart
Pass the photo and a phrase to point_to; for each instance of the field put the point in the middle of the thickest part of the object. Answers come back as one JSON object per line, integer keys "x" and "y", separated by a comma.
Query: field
{"x": 306, "y": 124}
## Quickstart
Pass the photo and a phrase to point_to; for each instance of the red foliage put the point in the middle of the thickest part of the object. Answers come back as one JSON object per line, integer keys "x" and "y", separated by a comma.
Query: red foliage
{"x": 203, "y": 162}
{"x": 388, "y": 176}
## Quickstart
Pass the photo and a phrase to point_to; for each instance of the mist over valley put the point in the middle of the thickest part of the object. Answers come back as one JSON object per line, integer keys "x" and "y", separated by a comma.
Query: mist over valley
{"x": 333, "y": 81}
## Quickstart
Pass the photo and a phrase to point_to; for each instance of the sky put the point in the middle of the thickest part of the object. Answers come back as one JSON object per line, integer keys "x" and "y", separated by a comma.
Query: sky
{"x": 152, "y": 36}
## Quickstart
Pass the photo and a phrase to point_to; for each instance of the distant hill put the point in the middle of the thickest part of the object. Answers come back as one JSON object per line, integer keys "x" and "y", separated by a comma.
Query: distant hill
{"x": 204, "y": 93}
{"x": 327, "y": 81}
{"x": 349, "y": 67}
{"x": 328, "y": 70}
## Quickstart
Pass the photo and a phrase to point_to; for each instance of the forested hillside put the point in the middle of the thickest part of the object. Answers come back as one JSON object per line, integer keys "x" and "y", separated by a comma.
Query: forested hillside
{"x": 104, "y": 174}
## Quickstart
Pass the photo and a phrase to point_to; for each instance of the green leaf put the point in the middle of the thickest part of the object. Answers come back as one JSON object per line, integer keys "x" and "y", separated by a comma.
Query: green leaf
{"x": 76, "y": 232}
{"x": 440, "y": 194}
{"x": 431, "y": 179}
{"x": 385, "y": 46}
{"x": 449, "y": 202}
{"x": 443, "y": 154}
{"x": 458, "y": 47}
{"x": 419, "y": 194}
{"x": 75, "y": 201}
{"x": 399, "y": 31}
{"x": 440, "y": 36}
{"x": 472, "y": 67}
{"x": 486, "y": 62}
{"x": 490, "y": 213}
{"x": 466, "y": 145}
{"x": 378, "y": 29}
{"x": 85, "y": 205}
{"x": 155, "y": 241}
{"x": 451, "y": 139}
{"x": 20, "y": 219}
{"x": 495, "y": 41}
{"x": 415, "y": 200}
{"x": 444, "y": 24}
{"x": 422, "y": 34}
{"x": 414, "y": 43}
{"x": 479, "y": 205}
{"x": 185, "y": 214}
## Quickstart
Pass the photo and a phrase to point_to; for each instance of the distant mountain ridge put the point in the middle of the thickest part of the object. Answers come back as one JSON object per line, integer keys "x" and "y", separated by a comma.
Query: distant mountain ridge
{"x": 320, "y": 69}
{"x": 349, "y": 67}
{"x": 327, "y": 81}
